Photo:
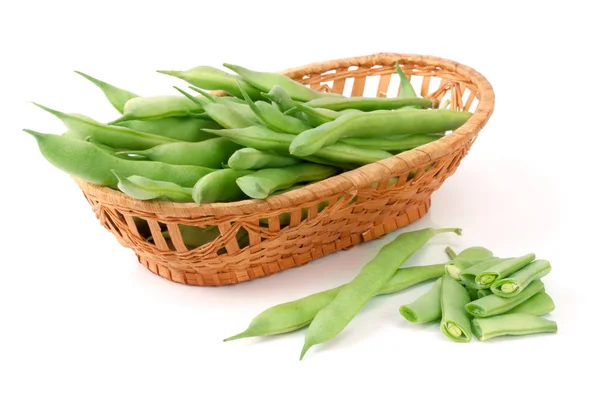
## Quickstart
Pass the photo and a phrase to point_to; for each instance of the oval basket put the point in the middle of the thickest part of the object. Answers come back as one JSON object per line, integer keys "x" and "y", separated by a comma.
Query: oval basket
{"x": 323, "y": 217}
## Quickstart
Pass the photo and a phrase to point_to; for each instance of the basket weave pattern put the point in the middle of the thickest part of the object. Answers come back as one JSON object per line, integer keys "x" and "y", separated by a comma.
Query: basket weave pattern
{"x": 361, "y": 205}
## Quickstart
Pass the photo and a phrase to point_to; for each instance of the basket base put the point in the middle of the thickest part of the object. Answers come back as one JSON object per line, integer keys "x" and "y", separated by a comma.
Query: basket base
{"x": 246, "y": 270}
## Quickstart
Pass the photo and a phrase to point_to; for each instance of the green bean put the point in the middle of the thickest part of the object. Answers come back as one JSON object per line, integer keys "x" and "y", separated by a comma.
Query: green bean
{"x": 377, "y": 124}
{"x": 75, "y": 134}
{"x": 498, "y": 271}
{"x": 539, "y": 304}
{"x": 394, "y": 143}
{"x": 142, "y": 188}
{"x": 513, "y": 284}
{"x": 370, "y": 103}
{"x": 187, "y": 129}
{"x": 249, "y": 158}
{"x": 101, "y": 146}
{"x": 159, "y": 107}
{"x": 263, "y": 138}
{"x": 114, "y": 136}
{"x": 456, "y": 323}
{"x": 467, "y": 276}
{"x": 194, "y": 236}
{"x": 406, "y": 88}
{"x": 426, "y": 308}
{"x": 293, "y": 315}
{"x": 466, "y": 259}
{"x": 266, "y": 80}
{"x": 483, "y": 292}
{"x": 215, "y": 79}
{"x": 260, "y": 184}
{"x": 237, "y": 116}
{"x": 88, "y": 162}
{"x": 494, "y": 305}
{"x": 219, "y": 186}
{"x": 315, "y": 116}
{"x": 511, "y": 325}
{"x": 211, "y": 153}
{"x": 115, "y": 95}
{"x": 334, "y": 317}
{"x": 279, "y": 96}
{"x": 273, "y": 118}
{"x": 473, "y": 295}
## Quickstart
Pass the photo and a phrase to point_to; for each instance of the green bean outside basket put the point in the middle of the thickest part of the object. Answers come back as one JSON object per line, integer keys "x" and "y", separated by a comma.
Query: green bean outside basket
{"x": 467, "y": 276}
{"x": 493, "y": 305}
{"x": 466, "y": 259}
{"x": 539, "y": 304}
{"x": 334, "y": 317}
{"x": 498, "y": 271}
{"x": 294, "y": 315}
{"x": 456, "y": 323}
{"x": 511, "y": 325}
{"x": 260, "y": 184}
{"x": 514, "y": 284}
{"x": 426, "y": 308}
{"x": 219, "y": 186}
{"x": 92, "y": 164}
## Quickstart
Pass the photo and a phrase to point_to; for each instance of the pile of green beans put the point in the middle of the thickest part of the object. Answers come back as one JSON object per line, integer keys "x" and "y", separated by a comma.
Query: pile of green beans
{"x": 267, "y": 134}
{"x": 486, "y": 296}
{"x": 459, "y": 309}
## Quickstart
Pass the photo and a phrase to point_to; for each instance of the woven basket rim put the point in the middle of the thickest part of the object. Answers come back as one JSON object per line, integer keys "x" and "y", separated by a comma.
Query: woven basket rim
{"x": 347, "y": 182}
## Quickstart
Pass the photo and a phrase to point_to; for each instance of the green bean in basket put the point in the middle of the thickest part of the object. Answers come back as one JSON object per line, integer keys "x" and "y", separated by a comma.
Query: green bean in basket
{"x": 187, "y": 129}
{"x": 142, "y": 188}
{"x": 115, "y": 95}
{"x": 154, "y": 107}
{"x": 92, "y": 164}
{"x": 249, "y": 158}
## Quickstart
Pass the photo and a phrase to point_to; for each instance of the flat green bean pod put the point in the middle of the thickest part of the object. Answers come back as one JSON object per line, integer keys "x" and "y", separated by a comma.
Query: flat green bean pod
{"x": 493, "y": 305}
{"x": 279, "y": 96}
{"x": 211, "y": 153}
{"x": 467, "y": 276}
{"x": 115, "y": 95}
{"x": 456, "y": 323}
{"x": 505, "y": 268}
{"x": 394, "y": 143}
{"x": 249, "y": 158}
{"x": 142, "y": 188}
{"x": 115, "y": 136}
{"x": 334, "y": 317}
{"x": 426, "y": 308}
{"x": 294, "y": 315}
{"x": 260, "y": 184}
{"x": 211, "y": 78}
{"x": 465, "y": 259}
{"x": 219, "y": 186}
{"x": 483, "y": 292}
{"x": 265, "y": 81}
{"x": 339, "y": 103}
{"x": 159, "y": 107}
{"x": 263, "y": 138}
{"x": 94, "y": 165}
{"x": 237, "y": 115}
{"x": 187, "y": 129}
{"x": 406, "y": 88}
{"x": 539, "y": 304}
{"x": 514, "y": 284}
{"x": 379, "y": 123}
{"x": 511, "y": 325}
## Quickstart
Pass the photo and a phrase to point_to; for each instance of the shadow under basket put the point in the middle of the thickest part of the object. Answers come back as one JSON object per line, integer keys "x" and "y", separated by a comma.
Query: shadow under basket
{"x": 228, "y": 243}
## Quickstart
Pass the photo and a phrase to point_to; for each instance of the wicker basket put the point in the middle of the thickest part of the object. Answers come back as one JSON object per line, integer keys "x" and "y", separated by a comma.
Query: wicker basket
{"x": 363, "y": 204}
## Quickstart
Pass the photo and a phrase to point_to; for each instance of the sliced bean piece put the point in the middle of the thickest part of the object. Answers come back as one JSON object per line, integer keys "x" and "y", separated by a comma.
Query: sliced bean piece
{"x": 456, "y": 323}
{"x": 293, "y": 315}
{"x": 514, "y": 284}
{"x": 540, "y": 304}
{"x": 211, "y": 153}
{"x": 114, "y": 136}
{"x": 511, "y": 325}
{"x": 505, "y": 268}
{"x": 426, "y": 308}
{"x": 465, "y": 259}
{"x": 468, "y": 275}
{"x": 142, "y": 188}
{"x": 115, "y": 95}
{"x": 483, "y": 292}
{"x": 211, "y": 78}
{"x": 334, "y": 317}
{"x": 381, "y": 123}
{"x": 188, "y": 129}
{"x": 494, "y": 305}
{"x": 260, "y": 184}
{"x": 249, "y": 158}
{"x": 219, "y": 186}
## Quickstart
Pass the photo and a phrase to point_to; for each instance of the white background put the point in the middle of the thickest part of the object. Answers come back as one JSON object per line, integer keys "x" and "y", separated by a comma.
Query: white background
{"x": 80, "y": 319}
